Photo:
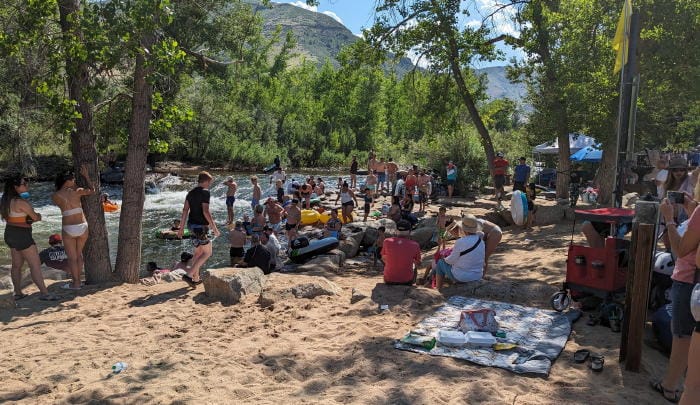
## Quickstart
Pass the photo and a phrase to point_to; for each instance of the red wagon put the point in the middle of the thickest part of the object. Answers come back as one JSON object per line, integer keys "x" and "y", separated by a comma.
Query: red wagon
{"x": 597, "y": 271}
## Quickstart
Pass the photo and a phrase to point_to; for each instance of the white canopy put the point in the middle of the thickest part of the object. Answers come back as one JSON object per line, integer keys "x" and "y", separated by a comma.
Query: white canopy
{"x": 576, "y": 143}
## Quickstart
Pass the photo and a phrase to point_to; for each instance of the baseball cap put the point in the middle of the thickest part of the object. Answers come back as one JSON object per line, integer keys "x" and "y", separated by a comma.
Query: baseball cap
{"x": 403, "y": 225}
{"x": 54, "y": 239}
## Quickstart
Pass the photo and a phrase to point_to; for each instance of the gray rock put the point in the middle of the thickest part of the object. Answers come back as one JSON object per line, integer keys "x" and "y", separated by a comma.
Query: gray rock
{"x": 424, "y": 237}
{"x": 321, "y": 264}
{"x": 551, "y": 214}
{"x": 356, "y": 296}
{"x": 429, "y": 222}
{"x": 7, "y": 299}
{"x": 370, "y": 237}
{"x": 231, "y": 285}
{"x": 351, "y": 244}
{"x": 388, "y": 224}
{"x": 283, "y": 287}
{"x": 340, "y": 254}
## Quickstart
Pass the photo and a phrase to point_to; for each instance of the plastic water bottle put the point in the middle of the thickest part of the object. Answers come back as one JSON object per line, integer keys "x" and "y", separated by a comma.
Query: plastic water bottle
{"x": 119, "y": 367}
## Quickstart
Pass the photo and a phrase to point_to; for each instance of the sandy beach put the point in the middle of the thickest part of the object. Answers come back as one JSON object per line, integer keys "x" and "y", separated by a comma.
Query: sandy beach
{"x": 184, "y": 347}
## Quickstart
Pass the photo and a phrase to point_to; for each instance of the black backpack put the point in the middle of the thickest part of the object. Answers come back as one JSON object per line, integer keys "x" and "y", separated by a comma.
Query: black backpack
{"x": 300, "y": 242}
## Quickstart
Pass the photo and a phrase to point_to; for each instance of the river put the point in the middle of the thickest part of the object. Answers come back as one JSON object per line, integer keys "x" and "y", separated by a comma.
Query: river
{"x": 158, "y": 213}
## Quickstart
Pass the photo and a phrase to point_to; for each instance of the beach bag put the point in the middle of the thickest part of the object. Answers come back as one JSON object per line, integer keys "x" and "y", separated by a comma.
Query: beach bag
{"x": 479, "y": 320}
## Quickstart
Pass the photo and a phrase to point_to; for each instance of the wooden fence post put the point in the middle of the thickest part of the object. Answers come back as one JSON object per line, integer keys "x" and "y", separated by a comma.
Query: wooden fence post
{"x": 638, "y": 280}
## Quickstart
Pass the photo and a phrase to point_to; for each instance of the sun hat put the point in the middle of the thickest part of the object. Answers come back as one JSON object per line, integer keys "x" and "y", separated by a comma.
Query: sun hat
{"x": 468, "y": 224}
{"x": 678, "y": 163}
{"x": 54, "y": 239}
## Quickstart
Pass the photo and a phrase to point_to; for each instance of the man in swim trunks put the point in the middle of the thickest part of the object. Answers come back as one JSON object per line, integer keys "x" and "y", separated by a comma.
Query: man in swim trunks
{"x": 423, "y": 183}
{"x": 198, "y": 218}
{"x": 236, "y": 238}
{"x": 410, "y": 182}
{"x": 391, "y": 169}
{"x": 353, "y": 173}
{"x": 371, "y": 183}
{"x": 257, "y": 192}
{"x": 232, "y": 187}
{"x": 273, "y": 212}
{"x": 381, "y": 174}
{"x": 293, "y": 219}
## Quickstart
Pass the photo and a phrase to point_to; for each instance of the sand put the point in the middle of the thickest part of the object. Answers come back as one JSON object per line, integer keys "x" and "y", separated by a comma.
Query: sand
{"x": 183, "y": 347}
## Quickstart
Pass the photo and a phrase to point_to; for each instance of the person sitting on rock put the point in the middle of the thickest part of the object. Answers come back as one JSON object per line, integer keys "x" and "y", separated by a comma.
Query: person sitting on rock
{"x": 468, "y": 258}
{"x": 333, "y": 226}
{"x": 401, "y": 256}
{"x": 55, "y": 255}
{"x": 257, "y": 255}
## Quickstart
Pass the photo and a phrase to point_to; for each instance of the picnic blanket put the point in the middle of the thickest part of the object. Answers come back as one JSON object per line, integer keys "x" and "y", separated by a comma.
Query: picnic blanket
{"x": 540, "y": 335}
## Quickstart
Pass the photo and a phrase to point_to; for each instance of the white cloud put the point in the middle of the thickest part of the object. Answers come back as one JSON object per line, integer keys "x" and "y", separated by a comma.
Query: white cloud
{"x": 303, "y": 4}
{"x": 333, "y": 16}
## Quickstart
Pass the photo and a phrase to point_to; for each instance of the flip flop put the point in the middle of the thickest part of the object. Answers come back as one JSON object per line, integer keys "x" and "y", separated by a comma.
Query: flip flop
{"x": 581, "y": 355}
{"x": 656, "y": 386}
{"x": 49, "y": 297}
{"x": 596, "y": 362}
{"x": 20, "y": 296}
{"x": 187, "y": 279}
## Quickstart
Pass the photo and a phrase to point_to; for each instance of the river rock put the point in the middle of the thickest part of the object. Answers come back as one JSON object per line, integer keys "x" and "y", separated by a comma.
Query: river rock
{"x": 282, "y": 287}
{"x": 351, "y": 244}
{"x": 322, "y": 264}
{"x": 7, "y": 298}
{"x": 340, "y": 254}
{"x": 551, "y": 214}
{"x": 387, "y": 223}
{"x": 370, "y": 237}
{"x": 424, "y": 237}
{"x": 429, "y": 222}
{"x": 231, "y": 285}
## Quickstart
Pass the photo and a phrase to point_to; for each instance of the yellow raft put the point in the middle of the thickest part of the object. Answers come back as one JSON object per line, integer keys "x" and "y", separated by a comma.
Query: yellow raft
{"x": 309, "y": 217}
{"x": 326, "y": 215}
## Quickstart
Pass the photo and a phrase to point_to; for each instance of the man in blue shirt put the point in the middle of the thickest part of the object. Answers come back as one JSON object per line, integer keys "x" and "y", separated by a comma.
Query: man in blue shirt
{"x": 521, "y": 175}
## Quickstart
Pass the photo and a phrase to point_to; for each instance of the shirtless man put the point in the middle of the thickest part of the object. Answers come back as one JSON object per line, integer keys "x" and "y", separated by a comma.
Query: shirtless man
{"x": 274, "y": 212}
{"x": 381, "y": 174}
{"x": 75, "y": 227}
{"x": 257, "y": 192}
{"x": 391, "y": 169}
{"x": 423, "y": 183}
{"x": 293, "y": 219}
{"x": 410, "y": 182}
{"x": 371, "y": 161}
{"x": 236, "y": 239}
{"x": 230, "y": 197}
{"x": 371, "y": 183}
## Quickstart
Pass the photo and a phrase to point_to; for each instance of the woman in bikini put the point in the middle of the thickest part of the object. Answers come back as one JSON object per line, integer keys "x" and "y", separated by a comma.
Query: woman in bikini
{"x": 20, "y": 215}
{"x": 75, "y": 227}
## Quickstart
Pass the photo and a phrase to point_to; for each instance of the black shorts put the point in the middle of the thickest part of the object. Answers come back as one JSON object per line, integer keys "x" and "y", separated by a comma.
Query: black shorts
{"x": 366, "y": 208}
{"x": 530, "y": 206}
{"x": 235, "y": 252}
{"x": 519, "y": 185}
{"x": 289, "y": 227}
{"x": 499, "y": 180}
{"x": 18, "y": 237}
{"x": 349, "y": 204}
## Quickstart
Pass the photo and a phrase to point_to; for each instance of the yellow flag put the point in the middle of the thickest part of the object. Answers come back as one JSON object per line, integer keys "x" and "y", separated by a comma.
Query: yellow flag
{"x": 620, "y": 43}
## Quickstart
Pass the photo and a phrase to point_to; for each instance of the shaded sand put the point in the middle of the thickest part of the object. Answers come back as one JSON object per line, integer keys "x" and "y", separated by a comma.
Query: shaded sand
{"x": 182, "y": 347}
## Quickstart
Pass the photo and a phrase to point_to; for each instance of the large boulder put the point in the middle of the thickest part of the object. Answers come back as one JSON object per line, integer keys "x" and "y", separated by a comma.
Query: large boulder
{"x": 370, "y": 237}
{"x": 282, "y": 287}
{"x": 387, "y": 223}
{"x": 351, "y": 244}
{"x": 424, "y": 237}
{"x": 231, "y": 285}
{"x": 429, "y": 222}
{"x": 7, "y": 299}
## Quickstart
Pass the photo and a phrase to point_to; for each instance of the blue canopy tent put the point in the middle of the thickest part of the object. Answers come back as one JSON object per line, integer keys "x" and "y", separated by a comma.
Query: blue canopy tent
{"x": 587, "y": 154}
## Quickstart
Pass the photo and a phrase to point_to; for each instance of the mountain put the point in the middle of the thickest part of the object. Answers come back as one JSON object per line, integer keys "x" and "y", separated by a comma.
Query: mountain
{"x": 320, "y": 38}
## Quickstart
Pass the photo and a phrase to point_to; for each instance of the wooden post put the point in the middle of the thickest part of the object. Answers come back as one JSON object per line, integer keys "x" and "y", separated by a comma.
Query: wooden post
{"x": 638, "y": 279}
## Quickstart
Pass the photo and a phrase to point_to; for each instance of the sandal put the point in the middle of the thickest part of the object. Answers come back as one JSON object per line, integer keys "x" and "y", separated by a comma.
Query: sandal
{"x": 581, "y": 355}
{"x": 49, "y": 297}
{"x": 596, "y": 362}
{"x": 19, "y": 296}
{"x": 656, "y": 386}
{"x": 187, "y": 279}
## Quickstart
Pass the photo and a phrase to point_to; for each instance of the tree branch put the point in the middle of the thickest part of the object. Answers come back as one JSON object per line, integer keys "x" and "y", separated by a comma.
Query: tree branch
{"x": 206, "y": 61}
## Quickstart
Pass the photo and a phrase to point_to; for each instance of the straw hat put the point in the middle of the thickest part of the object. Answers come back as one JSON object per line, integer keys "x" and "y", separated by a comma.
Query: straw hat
{"x": 468, "y": 224}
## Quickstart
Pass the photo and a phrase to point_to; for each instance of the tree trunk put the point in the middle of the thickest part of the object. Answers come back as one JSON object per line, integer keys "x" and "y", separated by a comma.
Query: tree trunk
{"x": 605, "y": 176}
{"x": 564, "y": 165}
{"x": 98, "y": 267}
{"x": 129, "y": 248}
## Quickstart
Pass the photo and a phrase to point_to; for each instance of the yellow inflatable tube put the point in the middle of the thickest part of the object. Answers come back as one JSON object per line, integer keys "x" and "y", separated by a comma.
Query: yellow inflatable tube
{"x": 309, "y": 217}
{"x": 326, "y": 215}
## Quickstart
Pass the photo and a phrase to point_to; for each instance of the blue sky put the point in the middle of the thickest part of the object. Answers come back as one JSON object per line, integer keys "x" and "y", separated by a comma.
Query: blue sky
{"x": 359, "y": 14}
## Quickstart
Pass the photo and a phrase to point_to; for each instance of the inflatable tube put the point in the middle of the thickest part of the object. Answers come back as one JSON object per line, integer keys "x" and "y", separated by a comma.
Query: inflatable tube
{"x": 315, "y": 201}
{"x": 309, "y": 217}
{"x": 107, "y": 207}
{"x": 315, "y": 247}
{"x": 171, "y": 235}
{"x": 518, "y": 208}
{"x": 326, "y": 215}
{"x": 526, "y": 210}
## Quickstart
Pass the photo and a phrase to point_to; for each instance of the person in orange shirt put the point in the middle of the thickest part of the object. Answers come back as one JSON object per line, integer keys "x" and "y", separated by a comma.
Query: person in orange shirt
{"x": 500, "y": 167}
